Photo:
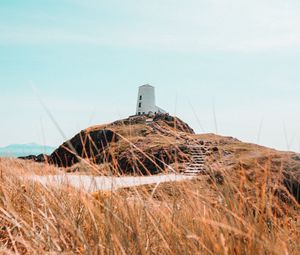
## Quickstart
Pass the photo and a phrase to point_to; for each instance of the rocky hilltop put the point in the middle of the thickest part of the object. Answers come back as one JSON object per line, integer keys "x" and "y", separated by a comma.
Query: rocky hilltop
{"x": 143, "y": 145}
{"x": 137, "y": 144}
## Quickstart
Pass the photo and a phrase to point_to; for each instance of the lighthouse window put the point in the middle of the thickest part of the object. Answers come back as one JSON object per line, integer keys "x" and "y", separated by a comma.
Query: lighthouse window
{"x": 141, "y": 97}
{"x": 140, "y": 105}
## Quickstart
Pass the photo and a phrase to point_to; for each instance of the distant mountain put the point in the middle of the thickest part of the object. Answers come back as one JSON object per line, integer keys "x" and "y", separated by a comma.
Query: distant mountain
{"x": 22, "y": 150}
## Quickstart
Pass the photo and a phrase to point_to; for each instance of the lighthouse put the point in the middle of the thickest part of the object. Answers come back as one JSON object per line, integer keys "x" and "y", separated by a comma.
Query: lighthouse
{"x": 146, "y": 103}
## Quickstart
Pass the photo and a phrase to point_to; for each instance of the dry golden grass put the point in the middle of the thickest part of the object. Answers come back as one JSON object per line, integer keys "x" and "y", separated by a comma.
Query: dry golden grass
{"x": 191, "y": 217}
{"x": 239, "y": 213}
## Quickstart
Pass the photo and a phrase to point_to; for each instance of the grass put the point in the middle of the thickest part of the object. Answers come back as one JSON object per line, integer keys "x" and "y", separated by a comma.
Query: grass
{"x": 191, "y": 217}
{"x": 239, "y": 207}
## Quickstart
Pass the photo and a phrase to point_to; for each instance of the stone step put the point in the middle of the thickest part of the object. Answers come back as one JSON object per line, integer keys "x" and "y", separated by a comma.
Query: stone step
{"x": 195, "y": 169}
{"x": 192, "y": 172}
{"x": 196, "y": 164}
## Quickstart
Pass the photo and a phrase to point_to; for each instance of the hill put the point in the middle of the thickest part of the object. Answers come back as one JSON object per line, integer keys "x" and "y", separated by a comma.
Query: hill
{"x": 142, "y": 146}
{"x": 244, "y": 200}
{"x": 22, "y": 150}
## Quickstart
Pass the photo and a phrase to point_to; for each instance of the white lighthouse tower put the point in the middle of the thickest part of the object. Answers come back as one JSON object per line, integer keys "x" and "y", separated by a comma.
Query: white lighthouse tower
{"x": 146, "y": 101}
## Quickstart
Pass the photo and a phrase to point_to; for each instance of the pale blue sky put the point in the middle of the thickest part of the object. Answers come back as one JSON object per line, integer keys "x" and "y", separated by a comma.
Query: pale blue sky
{"x": 86, "y": 59}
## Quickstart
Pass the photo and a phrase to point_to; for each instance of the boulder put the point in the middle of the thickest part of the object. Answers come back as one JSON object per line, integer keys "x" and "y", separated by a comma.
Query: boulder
{"x": 88, "y": 144}
{"x": 29, "y": 157}
{"x": 174, "y": 122}
{"x": 292, "y": 183}
{"x": 150, "y": 161}
{"x": 296, "y": 157}
{"x": 40, "y": 158}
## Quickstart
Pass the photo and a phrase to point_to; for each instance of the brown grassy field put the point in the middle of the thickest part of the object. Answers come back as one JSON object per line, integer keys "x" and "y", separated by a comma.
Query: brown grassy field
{"x": 239, "y": 206}
{"x": 203, "y": 216}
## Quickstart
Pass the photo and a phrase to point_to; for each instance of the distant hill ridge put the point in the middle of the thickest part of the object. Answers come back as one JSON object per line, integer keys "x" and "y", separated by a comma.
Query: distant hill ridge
{"x": 22, "y": 150}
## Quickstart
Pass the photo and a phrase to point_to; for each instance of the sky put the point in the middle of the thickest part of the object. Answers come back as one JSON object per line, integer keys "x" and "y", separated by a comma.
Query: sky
{"x": 229, "y": 67}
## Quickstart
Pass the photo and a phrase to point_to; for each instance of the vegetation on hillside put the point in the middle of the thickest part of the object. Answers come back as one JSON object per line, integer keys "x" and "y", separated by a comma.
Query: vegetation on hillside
{"x": 245, "y": 203}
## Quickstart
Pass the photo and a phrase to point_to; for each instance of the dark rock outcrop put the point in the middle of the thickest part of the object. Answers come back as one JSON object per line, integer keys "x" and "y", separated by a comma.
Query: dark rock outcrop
{"x": 151, "y": 161}
{"x": 85, "y": 145}
{"x": 29, "y": 157}
{"x": 92, "y": 143}
{"x": 174, "y": 122}
{"x": 39, "y": 158}
{"x": 296, "y": 157}
{"x": 292, "y": 183}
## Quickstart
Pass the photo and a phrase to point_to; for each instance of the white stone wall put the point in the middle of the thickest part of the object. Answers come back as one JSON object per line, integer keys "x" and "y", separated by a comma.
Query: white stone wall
{"x": 146, "y": 100}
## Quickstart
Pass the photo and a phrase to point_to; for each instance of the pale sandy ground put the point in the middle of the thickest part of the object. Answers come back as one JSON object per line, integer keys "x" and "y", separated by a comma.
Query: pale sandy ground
{"x": 93, "y": 183}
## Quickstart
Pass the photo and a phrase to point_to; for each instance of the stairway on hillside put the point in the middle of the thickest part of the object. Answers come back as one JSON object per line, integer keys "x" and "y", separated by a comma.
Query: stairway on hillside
{"x": 197, "y": 164}
{"x": 197, "y": 150}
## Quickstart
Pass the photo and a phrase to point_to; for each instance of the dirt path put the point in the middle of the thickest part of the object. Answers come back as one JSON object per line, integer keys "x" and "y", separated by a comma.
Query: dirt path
{"x": 92, "y": 183}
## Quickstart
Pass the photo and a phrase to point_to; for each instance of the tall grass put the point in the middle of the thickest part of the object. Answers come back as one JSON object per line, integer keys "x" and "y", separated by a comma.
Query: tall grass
{"x": 192, "y": 217}
{"x": 238, "y": 215}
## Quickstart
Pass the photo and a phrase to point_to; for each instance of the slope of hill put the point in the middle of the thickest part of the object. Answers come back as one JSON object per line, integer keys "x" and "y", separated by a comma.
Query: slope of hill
{"x": 22, "y": 150}
{"x": 244, "y": 201}
{"x": 142, "y": 146}
{"x": 151, "y": 141}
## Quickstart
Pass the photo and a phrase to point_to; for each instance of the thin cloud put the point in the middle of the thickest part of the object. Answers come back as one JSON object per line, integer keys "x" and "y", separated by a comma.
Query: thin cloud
{"x": 231, "y": 25}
